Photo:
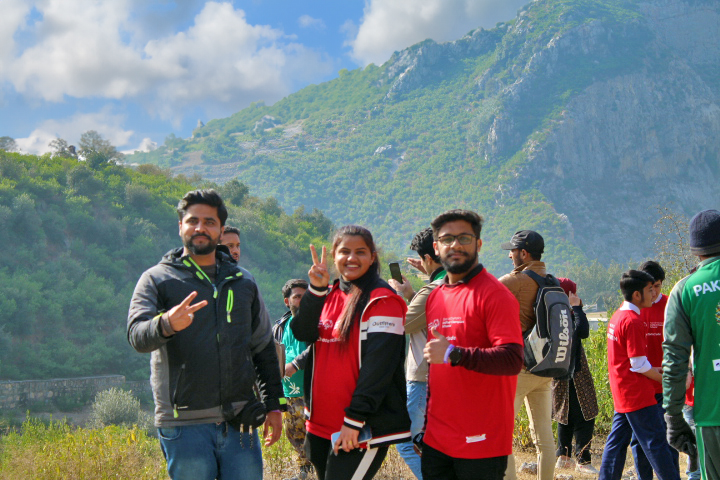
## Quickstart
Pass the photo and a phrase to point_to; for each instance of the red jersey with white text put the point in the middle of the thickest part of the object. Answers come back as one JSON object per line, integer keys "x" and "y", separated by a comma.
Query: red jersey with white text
{"x": 470, "y": 414}
{"x": 654, "y": 317}
{"x": 337, "y": 365}
{"x": 627, "y": 338}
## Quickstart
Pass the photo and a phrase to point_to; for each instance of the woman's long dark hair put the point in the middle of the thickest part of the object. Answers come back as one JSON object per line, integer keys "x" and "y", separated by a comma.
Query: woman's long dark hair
{"x": 363, "y": 286}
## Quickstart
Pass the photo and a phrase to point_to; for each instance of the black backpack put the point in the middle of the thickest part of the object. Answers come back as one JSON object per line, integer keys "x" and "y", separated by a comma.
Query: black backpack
{"x": 549, "y": 344}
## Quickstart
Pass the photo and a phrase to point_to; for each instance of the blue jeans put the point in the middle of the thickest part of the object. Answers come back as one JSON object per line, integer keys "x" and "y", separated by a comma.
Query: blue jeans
{"x": 211, "y": 451}
{"x": 642, "y": 465}
{"x": 649, "y": 430}
{"x": 690, "y": 419}
{"x": 416, "y": 400}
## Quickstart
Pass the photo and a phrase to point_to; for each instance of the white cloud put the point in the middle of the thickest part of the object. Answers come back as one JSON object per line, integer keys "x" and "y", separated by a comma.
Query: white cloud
{"x": 391, "y": 25}
{"x": 79, "y": 52}
{"x": 225, "y": 63}
{"x": 106, "y": 123}
{"x": 146, "y": 145}
{"x": 94, "y": 50}
{"x": 306, "y": 21}
{"x": 350, "y": 30}
{"x": 12, "y": 16}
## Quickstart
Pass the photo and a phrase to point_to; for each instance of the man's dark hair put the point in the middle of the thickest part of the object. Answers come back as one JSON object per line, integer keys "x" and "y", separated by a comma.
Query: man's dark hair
{"x": 205, "y": 197}
{"x": 422, "y": 243}
{"x": 654, "y": 269}
{"x": 634, "y": 281}
{"x": 293, "y": 283}
{"x": 232, "y": 230}
{"x": 472, "y": 218}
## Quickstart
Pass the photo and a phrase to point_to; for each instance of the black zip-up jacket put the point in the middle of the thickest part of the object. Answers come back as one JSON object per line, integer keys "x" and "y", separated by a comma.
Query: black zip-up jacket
{"x": 206, "y": 372}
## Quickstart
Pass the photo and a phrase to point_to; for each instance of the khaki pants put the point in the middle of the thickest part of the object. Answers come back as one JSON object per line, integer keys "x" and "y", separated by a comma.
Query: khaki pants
{"x": 538, "y": 402}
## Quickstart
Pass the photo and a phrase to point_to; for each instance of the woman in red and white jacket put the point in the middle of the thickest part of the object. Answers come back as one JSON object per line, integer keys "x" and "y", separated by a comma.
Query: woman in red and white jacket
{"x": 354, "y": 377}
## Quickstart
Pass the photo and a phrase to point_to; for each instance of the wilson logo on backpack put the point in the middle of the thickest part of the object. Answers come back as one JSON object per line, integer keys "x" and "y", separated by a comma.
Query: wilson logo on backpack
{"x": 548, "y": 345}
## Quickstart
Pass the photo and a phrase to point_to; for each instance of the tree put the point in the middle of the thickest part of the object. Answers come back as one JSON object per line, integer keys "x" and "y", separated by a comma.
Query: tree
{"x": 234, "y": 192}
{"x": 8, "y": 144}
{"x": 673, "y": 245}
{"x": 96, "y": 150}
{"x": 61, "y": 148}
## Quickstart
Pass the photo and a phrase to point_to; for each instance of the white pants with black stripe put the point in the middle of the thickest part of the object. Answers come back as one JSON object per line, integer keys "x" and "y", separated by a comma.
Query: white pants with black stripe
{"x": 359, "y": 464}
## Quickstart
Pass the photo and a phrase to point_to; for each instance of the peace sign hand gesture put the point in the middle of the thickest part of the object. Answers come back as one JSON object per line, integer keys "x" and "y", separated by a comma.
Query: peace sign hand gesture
{"x": 181, "y": 316}
{"x": 318, "y": 273}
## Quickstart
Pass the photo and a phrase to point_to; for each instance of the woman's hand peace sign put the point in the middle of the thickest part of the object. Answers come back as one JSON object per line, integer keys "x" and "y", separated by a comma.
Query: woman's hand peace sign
{"x": 318, "y": 274}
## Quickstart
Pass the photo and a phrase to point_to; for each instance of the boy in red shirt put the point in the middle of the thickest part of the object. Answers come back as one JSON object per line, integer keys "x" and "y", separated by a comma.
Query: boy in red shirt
{"x": 632, "y": 378}
{"x": 654, "y": 319}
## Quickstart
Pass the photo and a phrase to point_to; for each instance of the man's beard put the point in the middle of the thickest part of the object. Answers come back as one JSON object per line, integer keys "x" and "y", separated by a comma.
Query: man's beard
{"x": 198, "y": 250}
{"x": 459, "y": 267}
{"x": 294, "y": 310}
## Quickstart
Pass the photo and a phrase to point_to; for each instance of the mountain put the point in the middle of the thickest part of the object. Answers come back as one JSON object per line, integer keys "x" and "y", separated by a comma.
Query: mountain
{"x": 79, "y": 234}
{"x": 578, "y": 119}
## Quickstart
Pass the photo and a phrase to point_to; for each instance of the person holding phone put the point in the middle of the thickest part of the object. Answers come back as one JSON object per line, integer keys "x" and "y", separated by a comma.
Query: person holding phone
{"x": 354, "y": 377}
{"x": 416, "y": 367}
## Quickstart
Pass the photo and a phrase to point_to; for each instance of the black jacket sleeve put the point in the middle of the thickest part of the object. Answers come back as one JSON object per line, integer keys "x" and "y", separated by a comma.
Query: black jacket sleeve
{"x": 305, "y": 324}
{"x": 144, "y": 329}
{"x": 582, "y": 326}
{"x": 383, "y": 354}
{"x": 264, "y": 356}
{"x": 301, "y": 360}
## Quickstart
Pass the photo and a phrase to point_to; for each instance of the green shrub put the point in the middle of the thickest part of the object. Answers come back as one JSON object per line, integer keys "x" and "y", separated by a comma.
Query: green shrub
{"x": 116, "y": 407}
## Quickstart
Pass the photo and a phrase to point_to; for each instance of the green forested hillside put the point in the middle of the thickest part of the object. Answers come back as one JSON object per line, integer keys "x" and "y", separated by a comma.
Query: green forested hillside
{"x": 78, "y": 236}
{"x": 545, "y": 122}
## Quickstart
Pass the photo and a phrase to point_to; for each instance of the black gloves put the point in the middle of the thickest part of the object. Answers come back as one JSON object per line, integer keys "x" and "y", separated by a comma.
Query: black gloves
{"x": 680, "y": 436}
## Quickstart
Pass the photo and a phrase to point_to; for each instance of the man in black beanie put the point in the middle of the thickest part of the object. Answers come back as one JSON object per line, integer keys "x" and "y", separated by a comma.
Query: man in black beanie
{"x": 692, "y": 325}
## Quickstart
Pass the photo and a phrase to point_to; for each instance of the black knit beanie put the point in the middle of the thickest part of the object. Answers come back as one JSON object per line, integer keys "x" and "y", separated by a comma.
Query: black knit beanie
{"x": 705, "y": 233}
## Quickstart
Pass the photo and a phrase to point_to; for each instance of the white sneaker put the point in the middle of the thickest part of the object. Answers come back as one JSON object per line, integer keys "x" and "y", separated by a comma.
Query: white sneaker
{"x": 564, "y": 462}
{"x": 586, "y": 469}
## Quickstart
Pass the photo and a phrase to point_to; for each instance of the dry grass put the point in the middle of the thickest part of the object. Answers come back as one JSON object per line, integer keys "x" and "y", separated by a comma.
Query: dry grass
{"x": 59, "y": 451}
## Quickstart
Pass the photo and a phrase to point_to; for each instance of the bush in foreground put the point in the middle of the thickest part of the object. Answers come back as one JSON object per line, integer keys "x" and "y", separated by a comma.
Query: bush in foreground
{"x": 119, "y": 407}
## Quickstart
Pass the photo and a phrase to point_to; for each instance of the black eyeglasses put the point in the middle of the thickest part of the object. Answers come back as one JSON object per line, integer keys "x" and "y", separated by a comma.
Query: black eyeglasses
{"x": 463, "y": 239}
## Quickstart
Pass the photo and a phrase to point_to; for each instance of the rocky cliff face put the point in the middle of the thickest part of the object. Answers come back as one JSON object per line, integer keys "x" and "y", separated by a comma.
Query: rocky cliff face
{"x": 647, "y": 138}
{"x": 641, "y": 132}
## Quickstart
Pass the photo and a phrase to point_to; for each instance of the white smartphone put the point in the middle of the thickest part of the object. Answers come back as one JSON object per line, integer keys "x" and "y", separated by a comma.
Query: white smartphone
{"x": 364, "y": 435}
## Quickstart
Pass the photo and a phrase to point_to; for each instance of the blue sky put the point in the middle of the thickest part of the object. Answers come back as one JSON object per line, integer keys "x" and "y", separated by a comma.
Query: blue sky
{"x": 138, "y": 70}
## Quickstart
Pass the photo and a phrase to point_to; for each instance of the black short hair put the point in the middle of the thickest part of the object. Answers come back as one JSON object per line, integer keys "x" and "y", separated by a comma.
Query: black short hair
{"x": 422, "y": 243}
{"x": 293, "y": 283}
{"x": 634, "y": 281}
{"x": 204, "y": 197}
{"x": 232, "y": 230}
{"x": 475, "y": 220}
{"x": 654, "y": 269}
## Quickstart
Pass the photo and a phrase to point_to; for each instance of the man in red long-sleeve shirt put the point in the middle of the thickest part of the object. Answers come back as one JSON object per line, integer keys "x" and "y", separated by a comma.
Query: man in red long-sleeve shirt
{"x": 475, "y": 352}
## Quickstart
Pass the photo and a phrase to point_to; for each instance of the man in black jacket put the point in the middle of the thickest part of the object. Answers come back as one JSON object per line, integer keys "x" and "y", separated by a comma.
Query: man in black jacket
{"x": 210, "y": 337}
